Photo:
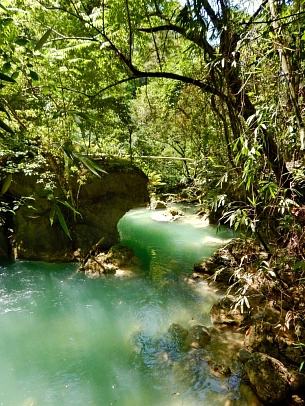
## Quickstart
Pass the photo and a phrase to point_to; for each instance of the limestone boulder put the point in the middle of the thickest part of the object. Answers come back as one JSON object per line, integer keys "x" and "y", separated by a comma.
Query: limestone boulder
{"x": 225, "y": 312}
{"x": 117, "y": 260}
{"x": 100, "y": 201}
{"x": 269, "y": 377}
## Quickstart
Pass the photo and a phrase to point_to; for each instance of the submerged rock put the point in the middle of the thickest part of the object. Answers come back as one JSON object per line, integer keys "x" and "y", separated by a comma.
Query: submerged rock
{"x": 178, "y": 333}
{"x": 198, "y": 336}
{"x": 221, "y": 371}
{"x": 195, "y": 337}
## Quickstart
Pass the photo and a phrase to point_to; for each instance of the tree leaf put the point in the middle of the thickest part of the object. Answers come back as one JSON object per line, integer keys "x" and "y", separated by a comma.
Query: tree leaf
{"x": 62, "y": 220}
{"x": 6, "y": 67}
{"x": 34, "y": 75}
{"x": 85, "y": 116}
{"x": 6, "y": 184}
{"x": 45, "y": 192}
{"x": 15, "y": 74}
{"x": 22, "y": 41}
{"x": 6, "y": 127}
{"x": 43, "y": 40}
{"x": 6, "y": 78}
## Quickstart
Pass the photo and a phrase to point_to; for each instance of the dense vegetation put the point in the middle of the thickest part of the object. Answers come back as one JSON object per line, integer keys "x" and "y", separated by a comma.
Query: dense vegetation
{"x": 208, "y": 96}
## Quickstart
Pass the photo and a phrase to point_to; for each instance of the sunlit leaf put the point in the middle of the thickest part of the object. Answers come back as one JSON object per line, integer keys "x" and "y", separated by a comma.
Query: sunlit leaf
{"x": 46, "y": 90}
{"x": 4, "y": 8}
{"x": 51, "y": 215}
{"x": 247, "y": 302}
{"x": 6, "y": 184}
{"x": 43, "y": 40}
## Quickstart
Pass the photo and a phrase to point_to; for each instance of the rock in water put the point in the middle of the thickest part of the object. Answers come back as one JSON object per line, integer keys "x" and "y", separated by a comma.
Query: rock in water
{"x": 198, "y": 336}
{"x": 269, "y": 378}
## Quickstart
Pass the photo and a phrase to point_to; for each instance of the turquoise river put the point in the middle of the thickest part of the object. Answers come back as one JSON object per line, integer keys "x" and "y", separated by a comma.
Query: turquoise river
{"x": 67, "y": 339}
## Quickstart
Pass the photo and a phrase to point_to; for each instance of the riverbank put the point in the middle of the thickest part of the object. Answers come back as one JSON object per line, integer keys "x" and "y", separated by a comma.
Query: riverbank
{"x": 264, "y": 298}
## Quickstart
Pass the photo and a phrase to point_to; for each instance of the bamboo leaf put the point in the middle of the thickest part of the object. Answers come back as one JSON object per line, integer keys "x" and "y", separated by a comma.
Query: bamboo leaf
{"x": 91, "y": 165}
{"x": 68, "y": 150}
{"x": 43, "y": 40}
{"x": 65, "y": 203}
{"x": 6, "y": 184}
{"x": 62, "y": 220}
{"x": 247, "y": 302}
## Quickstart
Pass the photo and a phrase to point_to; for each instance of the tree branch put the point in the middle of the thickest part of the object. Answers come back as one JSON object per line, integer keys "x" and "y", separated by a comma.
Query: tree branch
{"x": 130, "y": 31}
{"x": 13, "y": 112}
{"x": 210, "y": 12}
{"x": 257, "y": 12}
{"x": 199, "y": 40}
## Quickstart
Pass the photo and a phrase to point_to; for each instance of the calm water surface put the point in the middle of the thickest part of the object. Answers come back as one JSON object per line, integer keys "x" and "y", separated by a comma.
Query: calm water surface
{"x": 70, "y": 340}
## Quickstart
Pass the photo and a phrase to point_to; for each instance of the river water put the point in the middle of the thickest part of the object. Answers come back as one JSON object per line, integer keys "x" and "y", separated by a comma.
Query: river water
{"x": 70, "y": 340}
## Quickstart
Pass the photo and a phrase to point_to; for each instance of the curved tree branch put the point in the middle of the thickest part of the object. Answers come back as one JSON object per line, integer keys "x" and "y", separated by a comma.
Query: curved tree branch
{"x": 191, "y": 36}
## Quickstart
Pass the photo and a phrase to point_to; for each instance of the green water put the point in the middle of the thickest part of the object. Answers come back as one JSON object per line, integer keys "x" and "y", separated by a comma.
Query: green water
{"x": 70, "y": 340}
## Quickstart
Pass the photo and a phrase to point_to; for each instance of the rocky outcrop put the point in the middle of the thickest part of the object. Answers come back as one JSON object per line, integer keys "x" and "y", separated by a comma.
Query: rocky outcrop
{"x": 264, "y": 298}
{"x": 100, "y": 203}
{"x": 269, "y": 377}
{"x": 224, "y": 312}
{"x": 119, "y": 260}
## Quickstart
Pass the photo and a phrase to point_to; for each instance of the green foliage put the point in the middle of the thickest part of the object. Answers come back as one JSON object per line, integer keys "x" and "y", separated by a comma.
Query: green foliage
{"x": 192, "y": 93}
{"x": 55, "y": 210}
